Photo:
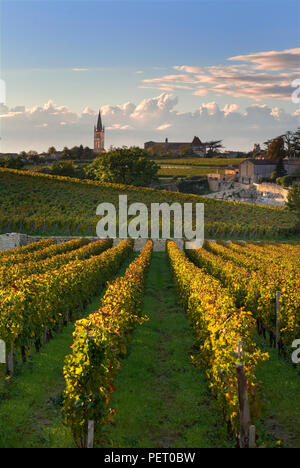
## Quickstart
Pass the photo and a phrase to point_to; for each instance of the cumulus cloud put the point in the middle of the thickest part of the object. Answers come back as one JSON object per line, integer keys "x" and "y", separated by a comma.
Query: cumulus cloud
{"x": 230, "y": 108}
{"x": 130, "y": 124}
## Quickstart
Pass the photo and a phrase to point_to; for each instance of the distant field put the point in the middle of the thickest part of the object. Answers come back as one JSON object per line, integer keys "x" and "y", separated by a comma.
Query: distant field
{"x": 186, "y": 171}
{"x": 40, "y": 203}
{"x": 194, "y": 166}
{"x": 207, "y": 162}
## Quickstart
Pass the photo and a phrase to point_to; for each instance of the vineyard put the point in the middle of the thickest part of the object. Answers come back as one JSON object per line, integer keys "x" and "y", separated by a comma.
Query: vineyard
{"x": 36, "y": 203}
{"x": 108, "y": 347}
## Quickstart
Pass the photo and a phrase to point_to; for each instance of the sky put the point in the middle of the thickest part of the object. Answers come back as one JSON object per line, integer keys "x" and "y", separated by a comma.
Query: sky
{"x": 218, "y": 69}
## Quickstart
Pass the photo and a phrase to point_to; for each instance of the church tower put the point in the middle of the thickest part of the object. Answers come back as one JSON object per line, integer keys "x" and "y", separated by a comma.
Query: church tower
{"x": 99, "y": 135}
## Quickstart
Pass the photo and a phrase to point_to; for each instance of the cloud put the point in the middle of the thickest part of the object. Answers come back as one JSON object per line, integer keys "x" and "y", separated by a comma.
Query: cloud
{"x": 264, "y": 75}
{"x": 163, "y": 126}
{"x": 154, "y": 109}
{"x": 129, "y": 124}
{"x": 172, "y": 79}
{"x": 201, "y": 92}
{"x": 80, "y": 69}
{"x": 230, "y": 108}
{"x": 187, "y": 68}
{"x": 288, "y": 59}
{"x": 119, "y": 127}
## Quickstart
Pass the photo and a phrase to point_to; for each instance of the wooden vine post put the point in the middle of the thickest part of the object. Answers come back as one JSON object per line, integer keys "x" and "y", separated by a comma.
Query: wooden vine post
{"x": 90, "y": 435}
{"x": 244, "y": 406}
{"x": 2, "y": 352}
{"x": 10, "y": 362}
{"x": 45, "y": 336}
{"x": 2, "y": 357}
{"x": 7, "y": 358}
{"x": 278, "y": 295}
{"x": 247, "y": 432}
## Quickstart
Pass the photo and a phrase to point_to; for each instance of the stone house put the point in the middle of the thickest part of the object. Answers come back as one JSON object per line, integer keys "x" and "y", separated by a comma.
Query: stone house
{"x": 252, "y": 169}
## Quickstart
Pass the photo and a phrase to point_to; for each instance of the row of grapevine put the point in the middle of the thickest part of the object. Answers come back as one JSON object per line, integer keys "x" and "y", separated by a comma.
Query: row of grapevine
{"x": 21, "y": 270}
{"x": 99, "y": 341}
{"x": 68, "y": 206}
{"x": 50, "y": 251}
{"x": 235, "y": 278}
{"x": 281, "y": 255}
{"x": 254, "y": 282}
{"x": 51, "y": 299}
{"x": 81, "y": 226}
{"x": 219, "y": 328}
{"x": 35, "y": 246}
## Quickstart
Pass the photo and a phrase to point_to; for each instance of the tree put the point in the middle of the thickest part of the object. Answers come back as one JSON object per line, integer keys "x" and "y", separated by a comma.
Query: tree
{"x": 63, "y": 168}
{"x": 157, "y": 151}
{"x": 213, "y": 146}
{"x": 77, "y": 152}
{"x": 293, "y": 202}
{"x": 276, "y": 148}
{"x": 267, "y": 144}
{"x": 280, "y": 170}
{"x": 129, "y": 166}
{"x": 186, "y": 150}
{"x": 33, "y": 158}
{"x": 66, "y": 153}
{"x": 295, "y": 145}
{"x": 87, "y": 153}
{"x": 51, "y": 150}
{"x": 288, "y": 142}
{"x": 13, "y": 163}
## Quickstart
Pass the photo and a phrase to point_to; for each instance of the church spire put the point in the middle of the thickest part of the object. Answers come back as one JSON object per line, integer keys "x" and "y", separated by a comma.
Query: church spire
{"x": 99, "y": 135}
{"x": 99, "y": 123}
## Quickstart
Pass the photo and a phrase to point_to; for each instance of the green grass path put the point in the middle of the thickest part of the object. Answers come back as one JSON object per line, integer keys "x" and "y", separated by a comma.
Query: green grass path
{"x": 279, "y": 419}
{"x": 161, "y": 399}
{"x": 30, "y": 404}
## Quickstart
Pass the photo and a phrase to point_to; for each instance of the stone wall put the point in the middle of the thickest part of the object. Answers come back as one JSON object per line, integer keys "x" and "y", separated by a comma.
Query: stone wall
{"x": 10, "y": 241}
{"x": 272, "y": 189}
{"x": 13, "y": 240}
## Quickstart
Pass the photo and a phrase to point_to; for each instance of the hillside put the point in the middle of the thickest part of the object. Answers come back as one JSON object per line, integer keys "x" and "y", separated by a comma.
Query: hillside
{"x": 40, "y": 203}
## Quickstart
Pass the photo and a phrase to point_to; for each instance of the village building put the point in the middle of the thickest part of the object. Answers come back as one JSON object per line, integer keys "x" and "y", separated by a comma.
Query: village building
{"x": 9, "y": 155}
{"x": 251, "y": 170}
{"x": 196, "y": 146}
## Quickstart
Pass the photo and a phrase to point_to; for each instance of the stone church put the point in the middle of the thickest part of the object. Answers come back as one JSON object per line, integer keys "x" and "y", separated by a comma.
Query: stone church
{"x": 99, "y": 132}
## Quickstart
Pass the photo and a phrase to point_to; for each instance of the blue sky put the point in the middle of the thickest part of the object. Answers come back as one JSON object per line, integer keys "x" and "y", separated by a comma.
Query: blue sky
{"x": 90, "y": 54}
